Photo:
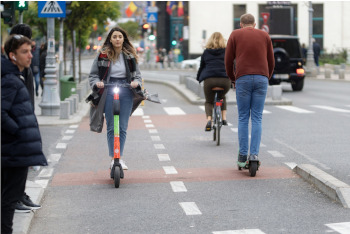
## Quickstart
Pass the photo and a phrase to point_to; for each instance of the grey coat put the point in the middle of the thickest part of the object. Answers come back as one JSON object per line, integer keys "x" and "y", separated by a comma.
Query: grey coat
{"x": 96, "y": 112}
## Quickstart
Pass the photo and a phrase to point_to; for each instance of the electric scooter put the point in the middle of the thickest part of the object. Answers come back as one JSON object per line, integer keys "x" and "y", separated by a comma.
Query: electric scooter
{"x": 252, "y": 164}
{"x": 117, "y": 172}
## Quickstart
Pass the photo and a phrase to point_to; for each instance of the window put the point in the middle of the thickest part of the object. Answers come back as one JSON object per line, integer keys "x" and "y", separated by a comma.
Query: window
{"x": 238, "y": 10}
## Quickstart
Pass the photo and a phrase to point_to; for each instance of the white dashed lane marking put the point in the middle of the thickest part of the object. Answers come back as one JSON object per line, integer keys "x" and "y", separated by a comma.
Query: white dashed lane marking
{"x": 174, "y": 111}
{"x": 295, "y": 109}
{"x": 178, "y": 186}
{"x": 276, "y": 154}
{"x": 152, "y": 131}
{"x": 155, "y": 138}
{"x": 170, "y": 170}
{"x": 61, "y": 146}
{"x": 331, "y": 108}
{"x": 163, "y": 157}
{"x": 159, "y": 146}
{"x": 242, "y": 231}
{"x": 190, "y": 208}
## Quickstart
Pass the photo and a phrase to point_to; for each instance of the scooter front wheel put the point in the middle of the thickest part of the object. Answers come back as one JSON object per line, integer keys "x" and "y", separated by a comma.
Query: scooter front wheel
{"x": 116, "y": 176}
{"x": 253, "y": 167}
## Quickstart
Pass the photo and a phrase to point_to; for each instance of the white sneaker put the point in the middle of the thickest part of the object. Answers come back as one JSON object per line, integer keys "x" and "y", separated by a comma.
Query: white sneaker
{"x": 121, "y": 161}
{"x": 111, "y": 164}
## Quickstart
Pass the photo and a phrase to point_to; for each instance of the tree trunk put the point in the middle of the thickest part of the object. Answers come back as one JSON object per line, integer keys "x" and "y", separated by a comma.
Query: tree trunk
{"x": 73, "y": 53}
{"x": 65, "y": 53}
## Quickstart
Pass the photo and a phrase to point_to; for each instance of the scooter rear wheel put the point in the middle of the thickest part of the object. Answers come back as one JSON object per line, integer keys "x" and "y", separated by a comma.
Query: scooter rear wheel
{"x": 116, "y": 176}
{"x": 253, "y": 167}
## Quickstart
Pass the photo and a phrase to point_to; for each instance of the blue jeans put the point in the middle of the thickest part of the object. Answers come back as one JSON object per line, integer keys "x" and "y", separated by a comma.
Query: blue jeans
{"x": 37, "y": 82}
{"x": 126, "y": 102}
{"x": 250, "y": 94}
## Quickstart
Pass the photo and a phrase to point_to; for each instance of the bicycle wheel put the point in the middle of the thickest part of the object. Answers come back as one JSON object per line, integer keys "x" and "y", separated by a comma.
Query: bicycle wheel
{"x": 218, "y": 124}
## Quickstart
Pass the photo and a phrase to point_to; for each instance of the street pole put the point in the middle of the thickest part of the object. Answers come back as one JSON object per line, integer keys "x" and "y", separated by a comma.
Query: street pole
{"x": 60, "y": 48}
{"x": 20, "y": 17}
{"x": 310, "y": 62}
{"x": 50, "y": 103}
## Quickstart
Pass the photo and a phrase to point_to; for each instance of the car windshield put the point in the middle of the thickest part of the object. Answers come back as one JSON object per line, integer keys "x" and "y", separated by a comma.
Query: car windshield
{"x": 290, "y": 45}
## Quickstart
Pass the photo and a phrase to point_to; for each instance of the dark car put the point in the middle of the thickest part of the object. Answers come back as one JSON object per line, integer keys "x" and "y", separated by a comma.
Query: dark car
{"x": 288, "y": 61}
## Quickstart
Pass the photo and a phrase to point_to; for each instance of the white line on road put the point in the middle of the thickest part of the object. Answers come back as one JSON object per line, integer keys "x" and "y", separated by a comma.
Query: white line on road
{"x": 145, "y": 117}
{"x": 46, "y": 172}
{"x": 202, "y": 108}
{"x": 155, "y": 138}
{"x": 149, "y": 126}
{"x": 138, "y": 112}
{"x": 331, "y": 108}
{"x": 266, "y": 112}
{"x": 159, "y": 146}
{"x": 178, "y": 186}
{"x": 174, "y": 111}
{"x": 234, "y": 129}
{"x": 152, "y": 131}
{"x": 163, "y": 157}
{"x": 55, "y": 157}
{"x": 67, "y": 138}
{"x": 342, "y": 228}
{"x": 243, "y": 231}
{"x": 276, "y": 154}
{"x": 61, "y": 146}
{"x": 170, "y": 170}
{"x": 42, "y": 183}
{"x": 147, "y": 121}
{"x": 69, "y": 131}
{"x": 74, "y": 126}
{"x": 190, "y": 208}
{"x": 295, "y": 109}
{"x": 291, "y": 165}
{"x": 304, "y": 155}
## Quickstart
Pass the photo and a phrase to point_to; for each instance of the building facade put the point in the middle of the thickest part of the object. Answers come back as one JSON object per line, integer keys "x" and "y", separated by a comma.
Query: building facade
{"x": 330, "y": 21}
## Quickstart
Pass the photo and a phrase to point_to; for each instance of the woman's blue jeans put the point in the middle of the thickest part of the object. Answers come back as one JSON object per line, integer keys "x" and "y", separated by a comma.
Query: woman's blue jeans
{"x": 250, "y": 95}
{"x": 126, "y": 102}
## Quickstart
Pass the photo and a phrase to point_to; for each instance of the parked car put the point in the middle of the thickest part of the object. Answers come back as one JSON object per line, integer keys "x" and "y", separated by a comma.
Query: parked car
{"x": 191, "y": 63}
{"x": 288, "y": 61}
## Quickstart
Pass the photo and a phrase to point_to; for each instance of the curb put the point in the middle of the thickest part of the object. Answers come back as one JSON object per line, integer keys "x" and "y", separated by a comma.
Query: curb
{"x": 329, "y": 185}
{"x": 195, "y": 100}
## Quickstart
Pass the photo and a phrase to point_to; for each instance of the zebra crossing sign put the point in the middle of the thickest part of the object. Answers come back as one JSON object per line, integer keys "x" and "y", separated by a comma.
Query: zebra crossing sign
{"x": 51, "y": 9}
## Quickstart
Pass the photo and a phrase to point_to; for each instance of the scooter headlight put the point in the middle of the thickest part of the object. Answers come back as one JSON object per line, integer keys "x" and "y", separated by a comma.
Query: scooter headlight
{"x": 116, "y": 90}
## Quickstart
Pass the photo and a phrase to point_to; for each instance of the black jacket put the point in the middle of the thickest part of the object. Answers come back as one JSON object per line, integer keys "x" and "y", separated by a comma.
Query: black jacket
{"x": 21, "y": 144}
{"x": 212, "y": 64}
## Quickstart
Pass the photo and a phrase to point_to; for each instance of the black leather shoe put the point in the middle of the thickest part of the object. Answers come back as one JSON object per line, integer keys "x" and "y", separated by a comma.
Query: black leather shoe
{"x": 208, "y": 126}
{"x": 242, "y": 158}
{"x": 224, "y": 122}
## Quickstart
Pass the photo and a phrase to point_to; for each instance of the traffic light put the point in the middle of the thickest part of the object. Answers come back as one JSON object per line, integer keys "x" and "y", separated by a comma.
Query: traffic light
{"x": 9, "y": 13}
{"x": 21, "y": 5}
{"x": 145, "y": 28}
{"x": 151, "y": 37}
{"x": 173, "y": 42}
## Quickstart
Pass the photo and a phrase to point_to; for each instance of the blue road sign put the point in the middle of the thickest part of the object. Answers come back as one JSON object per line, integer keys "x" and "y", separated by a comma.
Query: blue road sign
{"x": 51, "y": 9}
{"x": 152, "y": 17}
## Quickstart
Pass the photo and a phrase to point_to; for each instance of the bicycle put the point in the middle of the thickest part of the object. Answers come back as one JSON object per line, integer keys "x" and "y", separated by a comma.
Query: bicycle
{"x": 217, "y": 115}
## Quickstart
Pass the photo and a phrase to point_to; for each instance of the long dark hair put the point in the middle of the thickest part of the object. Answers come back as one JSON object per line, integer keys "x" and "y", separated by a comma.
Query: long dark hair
{"x": 127, "y": 47}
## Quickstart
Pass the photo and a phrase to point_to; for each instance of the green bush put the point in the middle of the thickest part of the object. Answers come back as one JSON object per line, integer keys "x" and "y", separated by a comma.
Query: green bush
{"x": 334, "y": 58}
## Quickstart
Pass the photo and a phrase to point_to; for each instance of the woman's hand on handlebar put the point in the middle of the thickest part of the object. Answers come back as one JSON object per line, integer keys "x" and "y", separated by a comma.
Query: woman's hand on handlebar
{"x": 134, "y": 84}
{"x": 100, "y": 85}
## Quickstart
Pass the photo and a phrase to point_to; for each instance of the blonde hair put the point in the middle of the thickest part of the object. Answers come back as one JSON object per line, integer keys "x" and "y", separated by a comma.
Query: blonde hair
{"x": 216, "y": 41}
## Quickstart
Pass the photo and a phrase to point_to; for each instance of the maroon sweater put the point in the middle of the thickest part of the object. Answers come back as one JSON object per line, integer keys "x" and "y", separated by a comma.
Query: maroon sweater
{"x": 252, "y": 49}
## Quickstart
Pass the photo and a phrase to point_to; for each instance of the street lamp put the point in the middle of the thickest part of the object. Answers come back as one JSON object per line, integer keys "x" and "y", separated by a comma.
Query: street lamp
{"x": 310, "y": 62}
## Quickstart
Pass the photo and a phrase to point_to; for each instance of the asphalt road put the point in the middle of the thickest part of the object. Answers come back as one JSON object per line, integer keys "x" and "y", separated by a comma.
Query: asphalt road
{"x": 179, "y": 181}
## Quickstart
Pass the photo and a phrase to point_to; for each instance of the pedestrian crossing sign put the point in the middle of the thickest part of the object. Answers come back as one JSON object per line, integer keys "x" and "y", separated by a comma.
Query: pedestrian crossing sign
{"x": 51, "y": 9}
{"x": 152, "y": 17}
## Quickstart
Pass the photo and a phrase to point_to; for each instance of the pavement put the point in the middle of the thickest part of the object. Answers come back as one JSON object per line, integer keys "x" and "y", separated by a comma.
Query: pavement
{"x": 335, "y": 189}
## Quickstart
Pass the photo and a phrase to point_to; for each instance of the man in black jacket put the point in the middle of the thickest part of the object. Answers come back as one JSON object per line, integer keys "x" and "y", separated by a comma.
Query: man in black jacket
{"x": 21, "y": 145}
{"x": 25, "y": 30}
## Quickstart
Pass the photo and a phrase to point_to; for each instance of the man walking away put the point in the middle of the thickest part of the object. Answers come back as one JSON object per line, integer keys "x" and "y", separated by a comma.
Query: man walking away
{"x": 249, "y": 63}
